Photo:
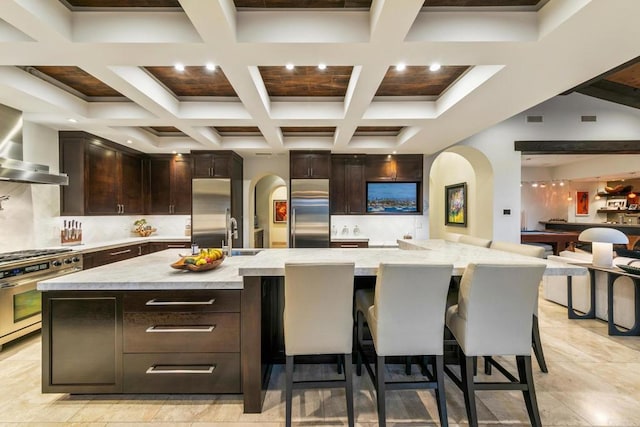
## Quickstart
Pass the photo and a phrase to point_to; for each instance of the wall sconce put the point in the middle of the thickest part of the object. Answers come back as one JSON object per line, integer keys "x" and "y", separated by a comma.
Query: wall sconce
{"x": 602, "y": 240}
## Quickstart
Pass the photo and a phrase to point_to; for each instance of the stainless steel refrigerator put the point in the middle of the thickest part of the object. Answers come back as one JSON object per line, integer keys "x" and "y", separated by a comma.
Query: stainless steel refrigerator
{"x": 211, "y": 207}
{"x": 309, "y": 213}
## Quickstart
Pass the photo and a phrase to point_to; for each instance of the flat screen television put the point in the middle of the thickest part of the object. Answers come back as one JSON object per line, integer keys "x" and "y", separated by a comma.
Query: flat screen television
{"x": 392, "y": 197}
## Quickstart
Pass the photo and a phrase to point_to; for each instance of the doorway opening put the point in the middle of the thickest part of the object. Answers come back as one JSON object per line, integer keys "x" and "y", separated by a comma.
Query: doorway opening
{"x": 270, "y": 213}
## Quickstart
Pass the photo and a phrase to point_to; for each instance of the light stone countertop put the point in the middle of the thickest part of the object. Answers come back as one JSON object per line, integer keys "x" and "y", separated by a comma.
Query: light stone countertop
{"x": 152, "y": 272}
{"x": 149, "y": 272}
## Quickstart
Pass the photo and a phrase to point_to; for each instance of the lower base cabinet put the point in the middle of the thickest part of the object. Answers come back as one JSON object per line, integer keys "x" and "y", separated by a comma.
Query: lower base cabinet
{"x": 141, "y": 342}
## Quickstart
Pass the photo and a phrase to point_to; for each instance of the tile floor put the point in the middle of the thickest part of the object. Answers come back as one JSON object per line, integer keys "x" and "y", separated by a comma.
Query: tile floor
{"x": 594, "y": 380}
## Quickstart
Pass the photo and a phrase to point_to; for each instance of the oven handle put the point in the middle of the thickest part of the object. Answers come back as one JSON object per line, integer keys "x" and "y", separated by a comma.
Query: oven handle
{"x": 41, "y": 278}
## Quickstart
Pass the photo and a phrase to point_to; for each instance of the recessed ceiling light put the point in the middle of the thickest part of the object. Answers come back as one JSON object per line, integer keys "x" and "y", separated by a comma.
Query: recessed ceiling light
{"x": 434, "y": 67}
{"x": 322, "y": 66}
{"x": 400, "y": 67}
{"x": 72, "y": 120}
{"x": 179, "y": 66}
{"x": 535, "y": 184}
{"x": 210, "y": 66}
{"x": 129, "y": 141}
{"x": 174, "y": 152}
{"x": 394, "y": 152}
{"x": 289, "y": 66}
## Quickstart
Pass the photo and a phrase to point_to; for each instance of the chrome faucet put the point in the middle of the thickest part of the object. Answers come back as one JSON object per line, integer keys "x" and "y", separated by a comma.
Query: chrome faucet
{"x": 232, "y": 232}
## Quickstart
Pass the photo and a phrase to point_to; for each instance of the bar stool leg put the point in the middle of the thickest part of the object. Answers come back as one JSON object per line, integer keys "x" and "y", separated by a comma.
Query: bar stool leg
{"x": 380, "y": 391}
{"x": 348, "y": 376}
{"x": 537, "y": 345}
{"x": 438, "y": 371}
{"x": 360, "y": 335}
{"x": 526, "y": 377}
{"x": 289, "y": 390}
{"x": 466, "y": 370}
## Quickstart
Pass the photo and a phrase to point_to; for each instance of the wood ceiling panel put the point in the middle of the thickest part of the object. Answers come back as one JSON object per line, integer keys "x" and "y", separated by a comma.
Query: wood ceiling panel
{"x": 165, "y": 129}
{"x": 306, "y": 81}
{"x": 480, "y": 3}
{"x": 303, "y": 4}
{"x": 79, "y": 80}
{"x": 236, "y": 129}
{"x": 308, "y": 129}
{"x": 418, "y": 81}
{"x": 121, "y": 3}
{"x": 387, "y": 130}
{"x": 194, "y": 81}
{"x": 629, "y": 76}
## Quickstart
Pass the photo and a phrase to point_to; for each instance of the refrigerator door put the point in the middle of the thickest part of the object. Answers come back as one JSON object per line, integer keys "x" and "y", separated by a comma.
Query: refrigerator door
{"x": 309, "y": 213}
{"x": 211, "y": 200}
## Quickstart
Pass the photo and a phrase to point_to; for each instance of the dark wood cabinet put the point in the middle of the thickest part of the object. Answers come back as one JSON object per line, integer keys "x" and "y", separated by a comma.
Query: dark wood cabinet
{"x": 107, "y": 256}
{"x": 397, "y": 167}
{"x": 161, "y": 246}
{"x": 141, "y": 341}
{"x": 169, "y": 185}
{"x": 309, "y": 164}
{"x": 81, "y": 342}
{"x": 210, "y": 164}
{"x": 104, "y": 178}
{"x": 348, "y": 185}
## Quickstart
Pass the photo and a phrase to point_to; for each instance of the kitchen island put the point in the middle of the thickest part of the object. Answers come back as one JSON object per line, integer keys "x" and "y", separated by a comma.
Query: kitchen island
{"x": 138, "y": 326}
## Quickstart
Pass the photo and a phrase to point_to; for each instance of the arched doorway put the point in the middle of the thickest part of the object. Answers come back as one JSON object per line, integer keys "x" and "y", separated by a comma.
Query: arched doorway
{"x": 462, "y": 164}
{"x": 271, "y": 228}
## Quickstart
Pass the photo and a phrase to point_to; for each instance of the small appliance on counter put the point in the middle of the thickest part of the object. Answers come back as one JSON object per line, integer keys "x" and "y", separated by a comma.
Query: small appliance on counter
{"x": 71, "y": 233}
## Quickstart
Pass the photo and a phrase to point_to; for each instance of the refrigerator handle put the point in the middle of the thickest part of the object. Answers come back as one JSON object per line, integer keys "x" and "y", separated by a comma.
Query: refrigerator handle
{"x": 293, "y": 227}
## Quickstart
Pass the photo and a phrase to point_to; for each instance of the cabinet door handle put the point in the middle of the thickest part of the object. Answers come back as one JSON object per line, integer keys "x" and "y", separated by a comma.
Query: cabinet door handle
{"x": 139, "y": 250}
{"x": 158, "y": 301}
{"x": 181, "y": 369}
{"x": 194, "y": 328}
{"x": 120, "y": 252}
{"x": 122, "y": 208}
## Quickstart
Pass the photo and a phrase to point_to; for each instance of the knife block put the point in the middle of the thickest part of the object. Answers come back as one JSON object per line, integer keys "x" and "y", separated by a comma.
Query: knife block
{"x": 71, "y": 239}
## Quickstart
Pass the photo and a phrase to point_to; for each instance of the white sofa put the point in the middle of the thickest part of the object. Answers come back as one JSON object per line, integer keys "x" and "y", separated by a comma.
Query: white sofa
{"x": 554, "y": 288}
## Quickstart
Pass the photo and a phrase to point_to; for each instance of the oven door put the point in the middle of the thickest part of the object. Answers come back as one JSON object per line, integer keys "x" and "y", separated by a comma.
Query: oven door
{"x": 21, "y": 304}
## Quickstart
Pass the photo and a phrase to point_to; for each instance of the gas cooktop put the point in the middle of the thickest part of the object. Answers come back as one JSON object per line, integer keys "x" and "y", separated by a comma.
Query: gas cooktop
{"x": 30, "y": 253}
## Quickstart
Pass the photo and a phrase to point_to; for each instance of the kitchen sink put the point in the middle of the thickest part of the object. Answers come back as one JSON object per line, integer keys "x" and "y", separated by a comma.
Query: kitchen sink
{"x": 245, "y": 252}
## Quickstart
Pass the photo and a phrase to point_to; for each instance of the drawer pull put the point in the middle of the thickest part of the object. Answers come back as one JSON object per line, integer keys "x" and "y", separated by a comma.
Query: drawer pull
{"x": 126, "y": 251}
{"x": 348, "y": 246}
{"x": 170, "y": 369}
{"x": 157, "y": 301}
{"x": 164, "y": 328}
{"x": 176, "y": 246}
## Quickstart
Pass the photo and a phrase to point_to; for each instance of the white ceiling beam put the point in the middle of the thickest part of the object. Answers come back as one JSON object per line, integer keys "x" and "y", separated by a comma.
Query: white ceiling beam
{"x": 44, "y": 21}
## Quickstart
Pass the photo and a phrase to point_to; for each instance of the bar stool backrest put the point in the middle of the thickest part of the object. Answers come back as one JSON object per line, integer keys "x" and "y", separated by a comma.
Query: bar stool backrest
{"x": 318, "y": 308}
{"x": 475, "y": 241}
{"x": 497, "y": 300}
{"x": 409, "y": 305}
{"x": 518, "y": 248}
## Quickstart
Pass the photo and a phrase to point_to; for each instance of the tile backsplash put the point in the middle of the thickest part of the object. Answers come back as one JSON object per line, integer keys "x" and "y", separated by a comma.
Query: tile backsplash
{"x": 379, "y": 228}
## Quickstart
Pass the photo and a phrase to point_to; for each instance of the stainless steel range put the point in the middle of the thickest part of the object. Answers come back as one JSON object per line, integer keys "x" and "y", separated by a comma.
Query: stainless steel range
{"x": 20, "y": 301}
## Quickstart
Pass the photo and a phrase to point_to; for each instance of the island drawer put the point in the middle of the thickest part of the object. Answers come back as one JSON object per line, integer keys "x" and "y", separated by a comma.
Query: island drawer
{"x": 192, "y": 301}
{"x": 182, "y": 373}
{"x": 181, "y": 332}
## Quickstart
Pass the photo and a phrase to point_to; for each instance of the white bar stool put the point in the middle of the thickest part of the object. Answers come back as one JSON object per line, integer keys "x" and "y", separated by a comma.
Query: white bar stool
{"x": 318, "y": 319}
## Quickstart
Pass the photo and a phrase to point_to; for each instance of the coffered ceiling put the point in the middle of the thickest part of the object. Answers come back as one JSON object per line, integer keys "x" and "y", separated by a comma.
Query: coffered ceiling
{"x": 359, "y": 76}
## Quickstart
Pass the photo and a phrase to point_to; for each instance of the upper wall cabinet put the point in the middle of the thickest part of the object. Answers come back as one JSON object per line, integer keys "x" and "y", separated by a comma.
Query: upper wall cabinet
{"x": 348, "y": 191}
{"x": 400, "y": 167}
{"x": 169, "y": 185}
{"x": 104, "y": 178}
{"x": 210, "y": 164}
{"x": 309, "y": 164}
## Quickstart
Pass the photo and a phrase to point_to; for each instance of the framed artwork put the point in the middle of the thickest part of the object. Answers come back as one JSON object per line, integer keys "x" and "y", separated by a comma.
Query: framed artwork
{"x": 455, "y": 199}
{"x": 279, "y": 211}
{"x": 582, "y": 203}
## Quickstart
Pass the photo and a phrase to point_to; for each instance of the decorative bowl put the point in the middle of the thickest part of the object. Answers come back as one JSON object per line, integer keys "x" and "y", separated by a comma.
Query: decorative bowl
{"x": 180, "y": 265}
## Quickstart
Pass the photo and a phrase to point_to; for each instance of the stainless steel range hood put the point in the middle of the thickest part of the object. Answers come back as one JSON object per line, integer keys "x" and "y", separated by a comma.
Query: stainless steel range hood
{"x": 12, "y": 167}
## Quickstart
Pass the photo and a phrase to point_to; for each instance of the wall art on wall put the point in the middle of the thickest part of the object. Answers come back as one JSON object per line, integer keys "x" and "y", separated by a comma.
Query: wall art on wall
{"x": 582, "y": 203}
{"x": 279, "y": 211}
{"x": 456, "y": 205}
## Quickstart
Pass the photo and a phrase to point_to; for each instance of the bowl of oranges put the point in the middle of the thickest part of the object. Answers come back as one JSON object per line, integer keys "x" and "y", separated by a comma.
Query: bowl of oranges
{"x": 206, "y": 259}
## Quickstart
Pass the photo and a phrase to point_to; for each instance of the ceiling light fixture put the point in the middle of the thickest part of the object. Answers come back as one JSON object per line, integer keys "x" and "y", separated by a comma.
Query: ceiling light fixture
{"x": 534, "y": 184}
{"x": 394, "y": 152}
{"x": 72, "y": 120}
{"x": 543, "y": 185}
{"x": 322, "y": 66}
{"x": 210, "y": 66}
{"x": 401, "y": 67}
{"x": 434, "y": 67}
{"x": 561, "y": 183}
{"x": 289, "y": 66}
{"x": 174, "y": 152}
{"x": 129, "y": 141}
{"x": 569, "y": 198}
{"x": 179, "y": 66}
